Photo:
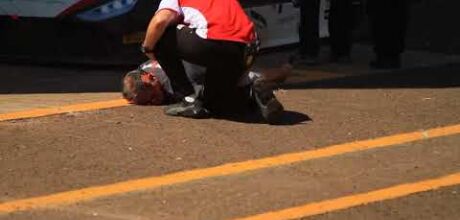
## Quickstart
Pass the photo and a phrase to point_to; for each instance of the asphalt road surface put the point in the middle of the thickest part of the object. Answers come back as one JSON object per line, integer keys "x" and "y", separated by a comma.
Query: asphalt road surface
{"x": 345, "y": 149}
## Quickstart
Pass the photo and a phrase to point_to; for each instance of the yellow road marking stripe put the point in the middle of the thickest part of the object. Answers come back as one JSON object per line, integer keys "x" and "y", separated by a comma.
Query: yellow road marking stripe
{"x": 137, "y": 185}
{"x": 346, "y": 202}
{"x": 64, "y": 109}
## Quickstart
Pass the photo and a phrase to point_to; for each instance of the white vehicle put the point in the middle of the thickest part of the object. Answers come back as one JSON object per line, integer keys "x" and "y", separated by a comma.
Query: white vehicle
{"x": 107, "y": 28}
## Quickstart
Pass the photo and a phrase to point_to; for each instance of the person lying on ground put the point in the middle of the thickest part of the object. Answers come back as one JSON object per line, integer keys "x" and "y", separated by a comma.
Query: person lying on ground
{"x": 149, "y": 85}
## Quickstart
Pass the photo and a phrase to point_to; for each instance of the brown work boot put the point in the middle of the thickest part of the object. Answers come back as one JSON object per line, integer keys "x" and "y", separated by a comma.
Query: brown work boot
{"x": 276, "y": 76}
{"x": 262, "y": 89}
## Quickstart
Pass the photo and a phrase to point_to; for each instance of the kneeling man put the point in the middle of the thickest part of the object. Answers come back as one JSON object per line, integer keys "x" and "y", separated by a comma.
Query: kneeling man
{"x": 212, "y": 40}
{"x": 149, "y": 85}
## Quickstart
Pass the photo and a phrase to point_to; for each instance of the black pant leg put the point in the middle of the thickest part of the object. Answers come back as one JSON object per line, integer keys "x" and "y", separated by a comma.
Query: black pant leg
{"x": 224, "y": 63}
{"x": 196, "y": 74}
{"x": 221, "y": 90}
{"x": 375, "y": 21}
{"x": 340, "y": 26}
{"x": 388, "y": 25}
{"x": 221, "y": 63}
{"x": 221, "y": 93}
{"x": 309, "y": 27}
{"x": 166, "y": 52}
{"x": 400, "y": 22}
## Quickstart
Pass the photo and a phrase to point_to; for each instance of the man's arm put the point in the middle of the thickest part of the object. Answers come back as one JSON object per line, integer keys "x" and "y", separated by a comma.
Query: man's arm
{"x": 160, "y": 21}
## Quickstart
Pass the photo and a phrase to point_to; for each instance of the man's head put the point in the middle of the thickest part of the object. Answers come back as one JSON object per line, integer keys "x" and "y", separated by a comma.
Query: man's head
{"x": 142, "y": 88}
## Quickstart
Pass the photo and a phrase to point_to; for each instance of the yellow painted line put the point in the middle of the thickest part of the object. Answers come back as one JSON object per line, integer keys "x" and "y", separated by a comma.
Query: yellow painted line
{"x": 63, "y": 109}
{"x": 149, "y": 183}
{"x": 346, "y": 202}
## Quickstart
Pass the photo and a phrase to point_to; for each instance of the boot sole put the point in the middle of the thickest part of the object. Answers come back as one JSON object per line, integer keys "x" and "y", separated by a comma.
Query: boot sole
{"x": 275, "y": 112}
{"x": 272, "y": 111}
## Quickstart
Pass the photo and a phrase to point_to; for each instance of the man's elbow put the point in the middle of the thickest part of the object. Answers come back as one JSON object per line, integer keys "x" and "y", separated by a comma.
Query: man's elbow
{"x": 162, "y": 20}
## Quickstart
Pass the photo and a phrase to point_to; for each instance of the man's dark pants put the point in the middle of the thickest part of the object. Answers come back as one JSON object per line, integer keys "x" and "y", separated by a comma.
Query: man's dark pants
{"x": 341, "y": 19}
{"x": 388, "y": 20}
{"x": 218, "y": 65}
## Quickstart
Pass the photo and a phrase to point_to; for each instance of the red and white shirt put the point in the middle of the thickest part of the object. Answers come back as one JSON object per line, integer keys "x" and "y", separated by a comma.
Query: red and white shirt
{"x": 213, "y": 19}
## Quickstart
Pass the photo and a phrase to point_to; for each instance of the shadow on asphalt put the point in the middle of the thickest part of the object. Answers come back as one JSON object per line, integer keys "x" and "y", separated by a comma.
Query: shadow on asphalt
{"x": 108, "y": 80}
{"x": 29, "y": 79}
{"x": 445, "y": 76}
{"x": 288, "y": 118}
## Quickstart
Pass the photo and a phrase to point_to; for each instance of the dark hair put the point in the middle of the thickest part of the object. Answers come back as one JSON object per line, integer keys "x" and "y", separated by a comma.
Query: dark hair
{"x": 137, "y": 95}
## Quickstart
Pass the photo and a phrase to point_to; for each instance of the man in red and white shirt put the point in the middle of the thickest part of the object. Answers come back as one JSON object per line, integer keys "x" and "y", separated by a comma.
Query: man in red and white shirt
{"x": 213, "y": 19}
{"x": 208, "y": 37}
